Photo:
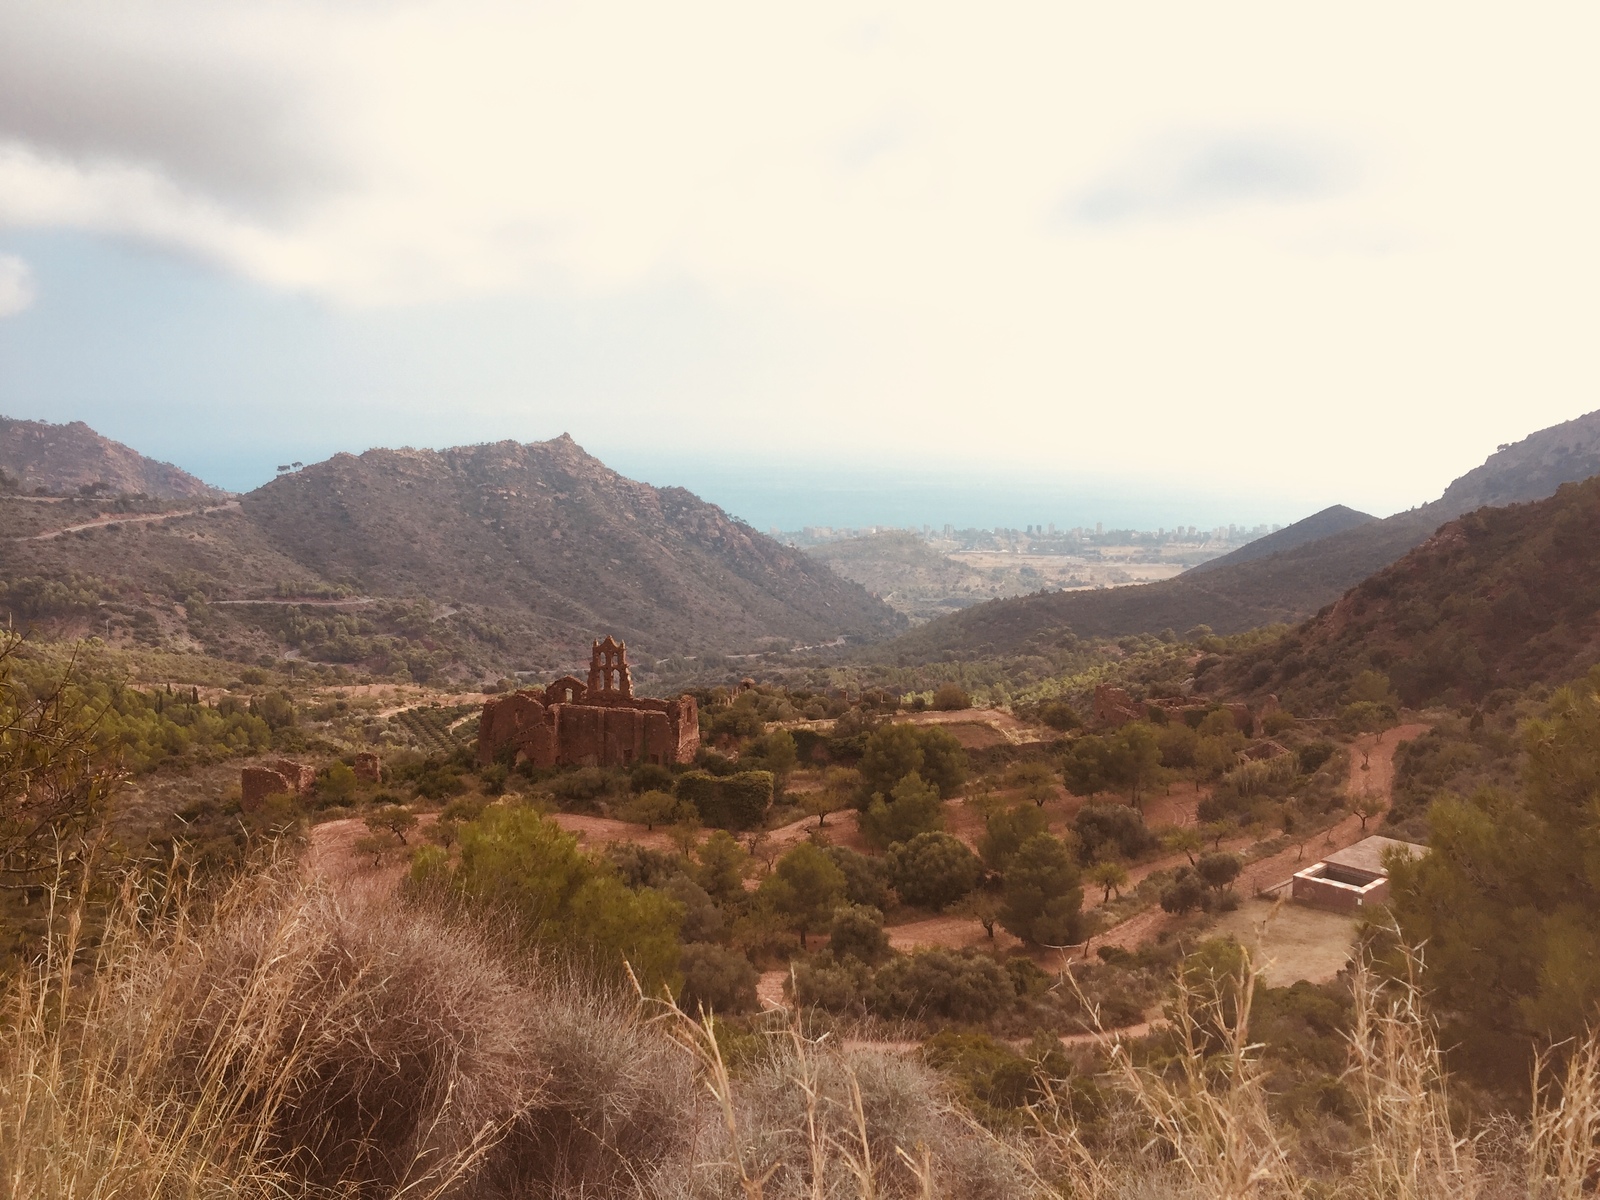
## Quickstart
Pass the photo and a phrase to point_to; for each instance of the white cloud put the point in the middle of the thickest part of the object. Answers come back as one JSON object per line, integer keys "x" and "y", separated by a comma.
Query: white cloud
{"x": 1380, "y": 236}
{"x": 1191, "y": 176}
{"x": 16, "y": 285}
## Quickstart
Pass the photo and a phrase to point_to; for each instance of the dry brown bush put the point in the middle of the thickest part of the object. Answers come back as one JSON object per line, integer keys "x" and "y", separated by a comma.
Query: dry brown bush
{"x": 296, "y": 1043}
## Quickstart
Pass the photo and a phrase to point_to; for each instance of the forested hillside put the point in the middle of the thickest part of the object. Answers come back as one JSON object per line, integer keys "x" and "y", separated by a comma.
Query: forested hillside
{"x": 472, "y": 561}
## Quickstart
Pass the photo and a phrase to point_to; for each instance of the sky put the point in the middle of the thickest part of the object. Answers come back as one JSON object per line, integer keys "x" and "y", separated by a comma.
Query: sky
{"x": 832, "y": 264}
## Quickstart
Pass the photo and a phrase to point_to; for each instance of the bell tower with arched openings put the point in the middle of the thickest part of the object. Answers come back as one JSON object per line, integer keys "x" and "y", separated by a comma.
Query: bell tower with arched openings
{"x": 596, "y": 724}
{"x": 609, "y": 677}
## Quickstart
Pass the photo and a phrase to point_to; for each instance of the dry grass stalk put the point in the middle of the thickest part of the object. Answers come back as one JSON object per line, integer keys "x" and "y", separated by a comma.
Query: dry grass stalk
{"x": 288, "y": 1046}
{"x": 1564, "y": 1136}
{"x": 1210, "y": 1114}
{"x": 1397, "y": 1074}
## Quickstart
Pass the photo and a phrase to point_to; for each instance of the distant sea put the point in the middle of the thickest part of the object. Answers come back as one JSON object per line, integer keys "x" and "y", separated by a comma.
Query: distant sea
{"x": 790, "y": 496}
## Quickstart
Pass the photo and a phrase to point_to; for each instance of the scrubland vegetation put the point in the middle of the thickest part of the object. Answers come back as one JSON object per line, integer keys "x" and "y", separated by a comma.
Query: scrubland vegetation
{"x": 991, "y": 933}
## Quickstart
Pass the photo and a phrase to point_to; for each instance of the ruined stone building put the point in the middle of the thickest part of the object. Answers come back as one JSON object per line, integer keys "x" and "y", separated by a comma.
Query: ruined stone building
{"x": 600, "y": 723}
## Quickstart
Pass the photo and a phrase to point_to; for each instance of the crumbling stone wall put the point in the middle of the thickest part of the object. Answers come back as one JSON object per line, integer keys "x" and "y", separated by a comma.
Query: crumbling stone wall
{"x": 279, "y": 777}
{"x": 598, "y": 723}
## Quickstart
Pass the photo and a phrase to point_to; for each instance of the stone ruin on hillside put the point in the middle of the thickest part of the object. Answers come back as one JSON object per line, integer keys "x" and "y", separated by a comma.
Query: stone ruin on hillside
{"x": 280, "y": 776}
{"x": 600, "y": 723}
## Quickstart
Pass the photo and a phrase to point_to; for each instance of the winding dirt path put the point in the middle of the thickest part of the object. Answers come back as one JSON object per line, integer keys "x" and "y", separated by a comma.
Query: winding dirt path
{"x": 1371, "y": 773}
{"x": 129, "y": 519}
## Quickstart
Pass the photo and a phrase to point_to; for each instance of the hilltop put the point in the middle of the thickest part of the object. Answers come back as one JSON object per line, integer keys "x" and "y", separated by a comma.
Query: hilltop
{"x": 463, "y": 561}
{"x": 65, "y": 458}
{"x": 1330, "y": 521}
{"x": 1283, "y": 582}
{"x": 1499, "y": 598}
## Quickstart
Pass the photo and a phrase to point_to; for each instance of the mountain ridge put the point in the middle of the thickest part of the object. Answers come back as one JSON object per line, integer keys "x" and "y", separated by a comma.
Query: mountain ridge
{"x": 72, "y": 456}
{"x": 506, "y": 555}
{"x": 1499, "y": 597}
{"x": 1282, "y": 587}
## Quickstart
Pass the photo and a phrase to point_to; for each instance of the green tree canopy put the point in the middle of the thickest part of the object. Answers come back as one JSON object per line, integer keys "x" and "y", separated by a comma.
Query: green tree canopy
{"x": 1111, "y": 830}
{"x": 722, "y": 866}
{"x": 1043, "y": 901}
{"x": 804, "y": 888}
{"x": 933, "y": 870}
{"x": 896, "y": 751}
{"x": 513, "y": 859}
{"x": 913, "y": 807}
{"x": 1087, "y": 767}
{"x": 1005, "y": 830}
{"x": 857, "y": 932}
{"x": 1507, "y": 901}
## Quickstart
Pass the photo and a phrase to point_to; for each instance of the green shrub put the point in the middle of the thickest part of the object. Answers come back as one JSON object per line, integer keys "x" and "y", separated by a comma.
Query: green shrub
{"x": 857, "y": 932}
{"x": 336, "y": 783}
{"x": 836, "y": 985}
{"x": 1185, "y": 893}
{"x": 640, "y": 866}
{"x": 913, "y": 808}
{"x": 584, "y": 784}
{"x": 866, "y": 879}
{"x": 933, "y": 870}
{"x": 949, "y": 697}
{"x": 716, "y": 980}
{"x": 958, "y": 985}
{"x": 514, "y": 861}
{"x": 990, "y": 1074}
{"x": 737, "y": 801}
{"x": 1060, "y": 716}
{"x": 1111, "y": 830}
{"x": 1313, "y": 754}
{"x": 650, "y": 777}
{"x": 702, "y": 919}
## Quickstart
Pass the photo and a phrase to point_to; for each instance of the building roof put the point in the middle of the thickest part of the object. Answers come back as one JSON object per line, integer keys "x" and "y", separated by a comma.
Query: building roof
{"x": 1368, "y": 854}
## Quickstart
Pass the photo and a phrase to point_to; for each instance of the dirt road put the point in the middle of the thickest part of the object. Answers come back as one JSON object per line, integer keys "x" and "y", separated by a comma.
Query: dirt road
{"x": 130, "y": 519}
{"x": 1371, "y": 773}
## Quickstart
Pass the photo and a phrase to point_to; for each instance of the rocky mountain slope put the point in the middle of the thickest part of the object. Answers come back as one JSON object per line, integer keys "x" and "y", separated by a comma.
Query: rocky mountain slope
{"x": 468, "y": 561}
{"x": 1498, "y": 598}
{"x": 1249, "y": 591}
{"x": 65, "y": 458}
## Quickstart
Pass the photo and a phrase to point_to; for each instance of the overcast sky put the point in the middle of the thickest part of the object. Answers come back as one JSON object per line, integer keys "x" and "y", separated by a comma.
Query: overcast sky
{"x": 1229, "y": 261}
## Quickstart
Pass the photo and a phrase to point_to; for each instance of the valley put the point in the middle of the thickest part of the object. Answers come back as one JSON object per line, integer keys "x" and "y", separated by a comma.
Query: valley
{"x": 997, "y": 833}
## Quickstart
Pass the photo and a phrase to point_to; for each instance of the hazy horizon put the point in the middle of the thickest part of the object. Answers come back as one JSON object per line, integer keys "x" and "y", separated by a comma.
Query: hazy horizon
{"x": 1140, "y": 264}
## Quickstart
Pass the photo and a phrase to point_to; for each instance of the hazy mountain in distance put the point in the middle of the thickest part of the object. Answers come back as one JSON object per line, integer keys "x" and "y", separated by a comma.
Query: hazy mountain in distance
{"x": 1240, "y": 592}
{"x": 1335, "y": 519}
{"x": 473, "y": 560}
{"x": 64, "y": 458}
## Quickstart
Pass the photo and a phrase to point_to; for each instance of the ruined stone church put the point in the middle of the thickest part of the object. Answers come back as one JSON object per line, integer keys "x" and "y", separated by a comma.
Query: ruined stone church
{"x": 600, "y": 723}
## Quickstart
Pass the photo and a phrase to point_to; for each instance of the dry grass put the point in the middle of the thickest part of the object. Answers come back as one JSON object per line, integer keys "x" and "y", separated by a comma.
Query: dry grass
{"x": 293, "y": 1043}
